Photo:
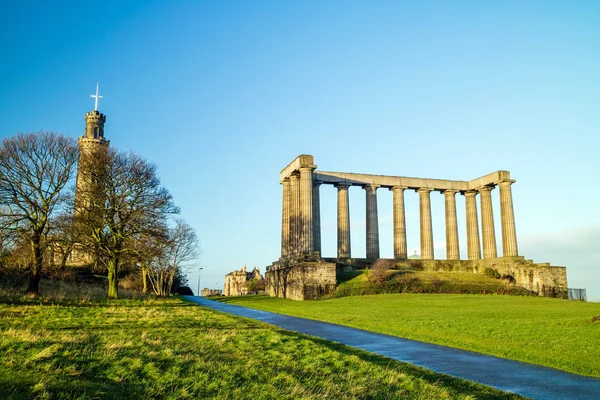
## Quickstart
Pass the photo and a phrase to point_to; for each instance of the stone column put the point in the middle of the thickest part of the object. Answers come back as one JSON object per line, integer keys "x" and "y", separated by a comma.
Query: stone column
{"x": 452, "y": 249}
{"x": 316, "y": 217}
{"x": 306, "y": 210}
{"x": 426, "y": 228}
{"x": 372, "y": 222}
{"x": 487, "y": 222}
{"x": 294, "y": 213}
{"x": 509, "y": 232}
{"x": 285, "y": 218}
{"x": 343, "y": 221}
{"x": 400, "y": 251}
{"x": 473, "y": 244}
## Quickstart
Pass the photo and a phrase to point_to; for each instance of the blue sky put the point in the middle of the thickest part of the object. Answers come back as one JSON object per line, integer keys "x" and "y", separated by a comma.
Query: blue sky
{"x": 223, "y": 94}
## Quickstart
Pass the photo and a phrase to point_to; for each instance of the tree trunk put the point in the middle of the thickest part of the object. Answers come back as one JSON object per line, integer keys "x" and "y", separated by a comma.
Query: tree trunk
{"x": 162, "y": 284}
{"x": 36, "y": 268}
{"x": 144, "y": 278}
{"x": 65, "y": 256}
{"x": 113, "y": 283}
{"x": 170, "y": 282}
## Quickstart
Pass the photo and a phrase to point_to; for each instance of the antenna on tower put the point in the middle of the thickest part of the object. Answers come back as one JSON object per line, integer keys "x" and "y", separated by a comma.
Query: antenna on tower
{"x": 97, "y": 97}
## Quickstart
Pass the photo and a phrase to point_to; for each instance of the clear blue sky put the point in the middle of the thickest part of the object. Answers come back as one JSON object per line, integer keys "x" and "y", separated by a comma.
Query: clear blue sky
{"x": 223, "y": 94}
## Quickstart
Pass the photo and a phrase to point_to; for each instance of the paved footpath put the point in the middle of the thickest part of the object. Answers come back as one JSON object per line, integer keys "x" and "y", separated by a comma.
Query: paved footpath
{"x": 511, "y": 376}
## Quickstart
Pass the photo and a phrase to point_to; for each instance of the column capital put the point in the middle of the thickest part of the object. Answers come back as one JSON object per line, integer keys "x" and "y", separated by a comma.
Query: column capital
{"x": 469, "y": 193}
{"x": 342, "y": 185}
{"x": 307, "y": 168}
{"x": 487, "y": 188}
{"x": 371, "y": 187}
{"x": 398, "y": 188}
{"x": 450, "y": 192}
{"x": 506, "y": 182}
{"x": 317, "y": 183}
{"x": 285, "y": 180}
{"x": 423, "y": 190}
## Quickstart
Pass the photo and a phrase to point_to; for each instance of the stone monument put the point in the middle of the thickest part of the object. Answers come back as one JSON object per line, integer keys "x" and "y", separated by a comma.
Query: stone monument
{"x": 301, "y": 273}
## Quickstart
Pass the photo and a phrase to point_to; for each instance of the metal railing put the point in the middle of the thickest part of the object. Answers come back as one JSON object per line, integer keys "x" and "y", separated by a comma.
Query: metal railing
{"x": 577, "y": 294}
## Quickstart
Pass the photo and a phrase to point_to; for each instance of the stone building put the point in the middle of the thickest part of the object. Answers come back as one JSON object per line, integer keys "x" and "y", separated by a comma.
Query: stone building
{"x": 210, "y": 292}
{"x": 241, "y": 282}
{"x": 301, "y": 273}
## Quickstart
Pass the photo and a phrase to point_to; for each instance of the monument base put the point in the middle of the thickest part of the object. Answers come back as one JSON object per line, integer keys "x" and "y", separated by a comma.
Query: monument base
{"x": 306, "y": 277}
{"x": 541, "y": 278}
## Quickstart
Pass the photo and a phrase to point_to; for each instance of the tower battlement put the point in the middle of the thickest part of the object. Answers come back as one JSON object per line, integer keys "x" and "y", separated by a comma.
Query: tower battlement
{"x": 94, "y": 125}
{"x": 94, "y": 116}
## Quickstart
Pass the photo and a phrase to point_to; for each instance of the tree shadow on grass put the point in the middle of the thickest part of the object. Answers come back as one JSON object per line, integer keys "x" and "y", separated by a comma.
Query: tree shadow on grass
{"x": 32, "y": 380}
{"x": 25, "y": 301}
{"x": 197, "y": 326}
{"x": 27, "y": 386}
{"x": 247, "y": 299}
{"x": 456, "y": 385}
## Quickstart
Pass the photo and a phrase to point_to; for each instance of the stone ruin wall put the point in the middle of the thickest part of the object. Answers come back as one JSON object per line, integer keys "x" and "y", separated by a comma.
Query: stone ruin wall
{"x": 304, "y": 280}
{"x": 545, "y": 280}
{"x": 541, "y": 278}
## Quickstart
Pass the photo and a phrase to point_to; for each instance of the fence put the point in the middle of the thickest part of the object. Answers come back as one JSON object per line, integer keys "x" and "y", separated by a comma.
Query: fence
{"x": 577, "y": 294}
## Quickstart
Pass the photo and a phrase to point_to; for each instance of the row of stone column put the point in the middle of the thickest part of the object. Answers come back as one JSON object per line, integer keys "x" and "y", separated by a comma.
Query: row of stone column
{"x": 301, "y": 231}
{"x": 301, "y": 220}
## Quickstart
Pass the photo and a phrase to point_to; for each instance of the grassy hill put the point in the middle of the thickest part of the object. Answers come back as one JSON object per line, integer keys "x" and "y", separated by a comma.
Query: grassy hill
{"x": 551, "y": 332}
{"x": 70, "y": 347}
{"x": 357, "y": 283}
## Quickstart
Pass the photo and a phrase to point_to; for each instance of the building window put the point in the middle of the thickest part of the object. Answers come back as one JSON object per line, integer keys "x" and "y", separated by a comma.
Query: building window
{"x": 96, "y": 133}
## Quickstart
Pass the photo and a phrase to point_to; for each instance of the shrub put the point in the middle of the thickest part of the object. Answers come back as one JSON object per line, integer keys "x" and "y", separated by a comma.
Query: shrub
{"x": 378, "y": 272}
{"x": 256, "y": 285}
{"x": 492, "y": 273}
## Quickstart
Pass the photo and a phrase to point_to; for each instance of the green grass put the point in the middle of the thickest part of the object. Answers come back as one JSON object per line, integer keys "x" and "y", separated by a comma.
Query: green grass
{"x": 551, "y": 332}
{"x": 167, "y": 348}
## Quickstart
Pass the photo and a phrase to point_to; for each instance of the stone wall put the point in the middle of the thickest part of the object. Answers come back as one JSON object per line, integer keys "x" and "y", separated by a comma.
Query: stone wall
{"x": 300, "y": 280}
{"x": 541, "y": 278}
{"x": 311, "y": 279}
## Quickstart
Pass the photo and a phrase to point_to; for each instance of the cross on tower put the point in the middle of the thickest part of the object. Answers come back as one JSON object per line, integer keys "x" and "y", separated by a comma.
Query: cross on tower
{"x": 97, "y": 97}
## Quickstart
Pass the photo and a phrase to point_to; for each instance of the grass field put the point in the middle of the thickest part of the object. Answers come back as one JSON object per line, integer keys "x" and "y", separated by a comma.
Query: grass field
{"x": 167, "y": 348}
{"x": 551, "y": 332}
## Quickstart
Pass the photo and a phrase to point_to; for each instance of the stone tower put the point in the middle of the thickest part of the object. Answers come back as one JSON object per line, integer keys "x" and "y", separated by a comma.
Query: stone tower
{"x": 92, "y": 144}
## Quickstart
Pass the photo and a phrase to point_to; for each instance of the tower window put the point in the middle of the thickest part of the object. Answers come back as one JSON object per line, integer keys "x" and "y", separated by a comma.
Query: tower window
{"x": 96, "y": 133}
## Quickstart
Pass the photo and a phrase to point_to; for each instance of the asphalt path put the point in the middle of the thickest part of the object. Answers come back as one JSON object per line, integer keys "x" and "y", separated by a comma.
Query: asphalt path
{"x": 511, "y": 376}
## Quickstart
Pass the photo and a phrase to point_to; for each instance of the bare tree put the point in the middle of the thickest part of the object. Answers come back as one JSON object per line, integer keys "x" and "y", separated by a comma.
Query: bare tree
{"x": 61, "y": 239}
{"x": 145, "y": 250}
{"x": 34, "y": 170}
{"x": 176, "y": 253}
{"x": 379, "y": 271}
{"x": 123, "y": 199}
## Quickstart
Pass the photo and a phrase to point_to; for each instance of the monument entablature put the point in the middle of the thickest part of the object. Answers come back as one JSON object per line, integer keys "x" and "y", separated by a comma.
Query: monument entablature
{"x": 387, "y": 181}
